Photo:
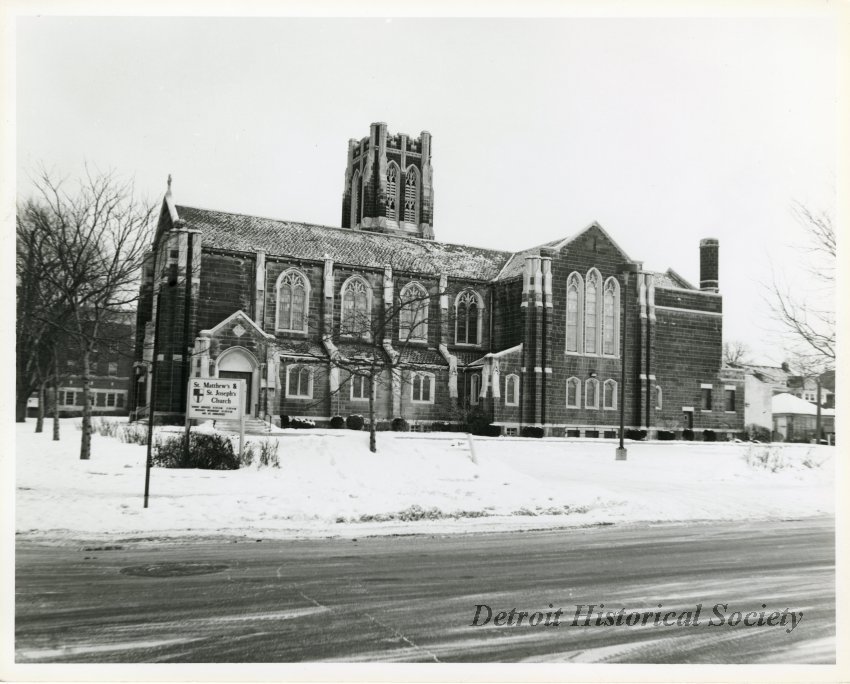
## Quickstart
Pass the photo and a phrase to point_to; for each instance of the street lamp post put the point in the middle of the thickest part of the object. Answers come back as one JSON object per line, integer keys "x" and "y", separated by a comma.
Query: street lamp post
{"x": 625, "y": 270}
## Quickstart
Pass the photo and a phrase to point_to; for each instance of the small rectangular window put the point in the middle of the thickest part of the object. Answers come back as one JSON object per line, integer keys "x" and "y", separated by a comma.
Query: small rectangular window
{"x": 359, "y": 387}
{"x": 100, "y": 398}
{"x": 511, "y": 432}
{"x": 706, "y": 399}
{"x": 110, "y": 399}
{"x": 730, "y": 400}
{"x": 113, "y": 368}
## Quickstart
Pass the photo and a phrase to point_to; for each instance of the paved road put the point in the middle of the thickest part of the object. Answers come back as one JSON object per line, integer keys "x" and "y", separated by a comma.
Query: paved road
{"x": 413, "y": 598}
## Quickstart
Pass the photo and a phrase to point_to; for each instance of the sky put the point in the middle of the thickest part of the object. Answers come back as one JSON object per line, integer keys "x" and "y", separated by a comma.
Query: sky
{"x": 664, "y": 130}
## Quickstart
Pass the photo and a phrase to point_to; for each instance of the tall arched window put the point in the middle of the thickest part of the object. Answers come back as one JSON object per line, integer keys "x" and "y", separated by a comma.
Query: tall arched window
{"x": 422, "y": 388}
{"x": 413, "y": 316}
{"x": 512, "y": 390}
{"x": 355, "y": 199}
{"x": 659, "y": 397}
{"x": 393, "y": 175}
{"x": 592, "y": 293}
{"x": 468, "y": 314}
{"x": 411, "y": 195}
{"x": 609, "y": 394}
{"x": 573, "y": 393}
{"x": 591, "y": 393}
{"x": 356, "y": 307}
{"x": 610, "y": 317}
{"x": 574, "y": 298}
{"x": 293, "y": 292}
{"x": 363, "y": 184}
{"x": 299, "y": 382}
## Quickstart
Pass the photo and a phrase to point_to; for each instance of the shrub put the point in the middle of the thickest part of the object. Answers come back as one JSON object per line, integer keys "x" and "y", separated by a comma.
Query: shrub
{"x": 105, "y": 428}
{"x": 709, "y": 436}
{"x": 400, "y": 425}
{"x": 439, "y": 426}
{"x": 134, "y": 434}
{"x": 284, "y": 420}
{"x": 267, "y": 452}
{"x": 758, "y": 433}
{"x": 382, "y": 426}
{"x": 666, "y": 435}
{"x": 531, "y": 431}
{"x": 337, "y": 423}
{"x": 688, "y": 434}
{"x": 354, "y": 422}
{"x": 767, "y": 458}
{"x": 301, "y": 424}
{"x": 635, "y": 434}
{"x": 209, "y": 451}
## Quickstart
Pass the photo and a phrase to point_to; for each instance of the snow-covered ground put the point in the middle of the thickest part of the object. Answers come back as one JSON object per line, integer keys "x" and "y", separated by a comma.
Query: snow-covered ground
{"x": 329, "y": 484}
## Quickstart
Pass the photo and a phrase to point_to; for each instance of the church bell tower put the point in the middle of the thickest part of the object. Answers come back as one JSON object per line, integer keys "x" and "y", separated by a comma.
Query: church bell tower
{"x": 388, "y": 184}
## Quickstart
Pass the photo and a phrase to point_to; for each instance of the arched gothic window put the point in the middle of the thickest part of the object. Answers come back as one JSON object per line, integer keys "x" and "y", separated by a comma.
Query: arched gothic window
{"x": 293, "y": 294}
{"x": 355, "y": 199}
{"x": 299, "y": 382}
{"x": 411, "y": 195}
{"x": 393, "y": 174}
{"x": 512, "y": 390}
{"x": 611, "y": 317}
{"x": 591, "y": 393}
{"x": 575, "y": 289}
{"x": 609, "y": 394}
{"x": 592, "y": 300}
{"x": 573, "y": 393}
{"x": 468, "y": 314}
{"x": 422, "y": 388}
{"x": 356, "y": 307}
{"x": 413, "y": 317}
{"x": 363, "y": 185}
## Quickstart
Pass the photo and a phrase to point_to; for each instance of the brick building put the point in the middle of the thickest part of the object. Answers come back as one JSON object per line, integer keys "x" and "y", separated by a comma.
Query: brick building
{"x": 527, "y": 338}
{"x": 110, "y": 372}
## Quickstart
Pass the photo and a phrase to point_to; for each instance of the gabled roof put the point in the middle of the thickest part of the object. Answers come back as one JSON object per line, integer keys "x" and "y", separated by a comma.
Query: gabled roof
{"x": 788, "y": 403}
{"x": 514, "y": 267}
{"x": 242, "y": 233}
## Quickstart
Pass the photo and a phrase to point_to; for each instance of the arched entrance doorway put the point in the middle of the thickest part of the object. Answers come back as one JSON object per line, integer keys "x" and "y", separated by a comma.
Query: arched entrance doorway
{"x": 239, "y": 363}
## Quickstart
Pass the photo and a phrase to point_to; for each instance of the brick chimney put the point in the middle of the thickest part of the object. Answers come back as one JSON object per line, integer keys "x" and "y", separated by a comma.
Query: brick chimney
{"x": 709, "y": 253}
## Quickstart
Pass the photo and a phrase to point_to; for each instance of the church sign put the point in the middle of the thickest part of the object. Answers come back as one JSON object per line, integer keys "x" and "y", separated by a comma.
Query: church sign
{"x": 215, "y": 398}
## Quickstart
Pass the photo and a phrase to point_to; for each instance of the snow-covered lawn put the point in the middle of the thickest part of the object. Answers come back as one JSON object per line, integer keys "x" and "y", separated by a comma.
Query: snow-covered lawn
{"x": 329, "y": 484}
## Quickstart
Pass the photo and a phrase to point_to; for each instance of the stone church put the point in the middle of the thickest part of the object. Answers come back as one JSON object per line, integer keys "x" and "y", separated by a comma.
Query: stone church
{"x": 530, "y": 338}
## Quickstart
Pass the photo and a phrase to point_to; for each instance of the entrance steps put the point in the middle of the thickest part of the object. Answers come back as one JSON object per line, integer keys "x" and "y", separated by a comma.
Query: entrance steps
{"x": 253, "y": 426}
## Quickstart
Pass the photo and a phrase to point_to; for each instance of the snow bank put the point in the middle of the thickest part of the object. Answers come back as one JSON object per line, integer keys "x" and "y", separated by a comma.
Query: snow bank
{"x": 430, "y": 483}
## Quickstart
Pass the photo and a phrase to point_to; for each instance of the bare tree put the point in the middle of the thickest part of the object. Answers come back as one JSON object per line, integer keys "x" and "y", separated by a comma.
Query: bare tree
{"x": 93, "y": 238}
{"x": 375, "y": 350}
{"x": 40, "y": 310}
{"x": 735, "y": 352}
{"x": 808, "y": 318}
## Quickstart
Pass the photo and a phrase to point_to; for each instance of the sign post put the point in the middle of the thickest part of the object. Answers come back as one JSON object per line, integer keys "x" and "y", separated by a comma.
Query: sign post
{"x": 217, "y": 399}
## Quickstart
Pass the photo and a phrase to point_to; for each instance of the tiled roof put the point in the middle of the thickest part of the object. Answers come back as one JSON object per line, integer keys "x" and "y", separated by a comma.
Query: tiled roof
{"x": 670, "y": 279}
{"x": 422, "y": 356}
{"x": 514, "y": 267}
{"x": 305, "y": 348}
{"x": 243, "y": 233}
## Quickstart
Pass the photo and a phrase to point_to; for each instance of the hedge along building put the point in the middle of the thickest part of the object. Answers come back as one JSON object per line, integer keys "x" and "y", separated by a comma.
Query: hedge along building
{"x": 527, "y": 338}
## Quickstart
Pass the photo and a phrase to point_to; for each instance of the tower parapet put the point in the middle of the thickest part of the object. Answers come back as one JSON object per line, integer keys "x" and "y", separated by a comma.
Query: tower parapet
{"x": 388, "y": 184}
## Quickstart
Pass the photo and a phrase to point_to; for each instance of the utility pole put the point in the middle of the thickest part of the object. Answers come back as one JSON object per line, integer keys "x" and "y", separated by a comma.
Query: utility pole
{"x": 625, "y": 270}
